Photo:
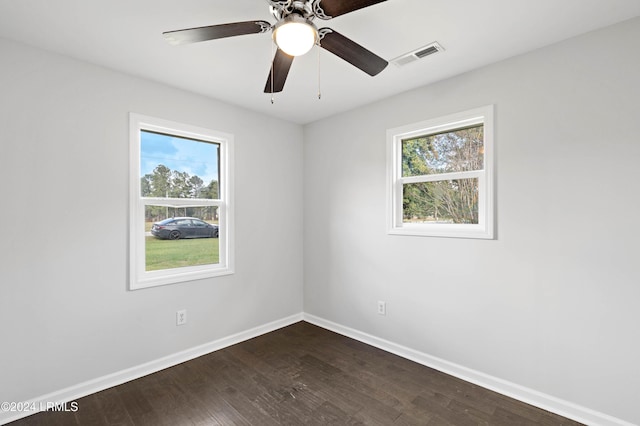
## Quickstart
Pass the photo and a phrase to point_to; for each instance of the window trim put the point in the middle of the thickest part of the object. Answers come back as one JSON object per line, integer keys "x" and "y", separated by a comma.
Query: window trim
{"x": 485, "y": 227}
{"x": 139, "y": 278}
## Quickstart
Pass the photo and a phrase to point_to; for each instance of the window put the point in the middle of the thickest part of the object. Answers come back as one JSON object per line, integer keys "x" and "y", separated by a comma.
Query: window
{"x": 440, "y": 175}
{"x": 181, "y": 221}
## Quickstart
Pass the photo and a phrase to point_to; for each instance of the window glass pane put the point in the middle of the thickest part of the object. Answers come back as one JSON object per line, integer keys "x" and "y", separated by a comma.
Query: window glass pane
{"x": 176, "y": 237}
{"x": 447, "y": 201}
{"x": 176, "y": 167}
{"x": 453, "y": 151}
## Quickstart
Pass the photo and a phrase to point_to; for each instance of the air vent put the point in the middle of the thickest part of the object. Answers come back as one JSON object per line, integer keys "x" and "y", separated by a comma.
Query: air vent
{"x": 419, "y": 53}
{"x": 426, "y": 52}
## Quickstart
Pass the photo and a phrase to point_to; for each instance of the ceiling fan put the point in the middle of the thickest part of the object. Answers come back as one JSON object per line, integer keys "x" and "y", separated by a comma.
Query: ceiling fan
{"x": 295, "y": 34}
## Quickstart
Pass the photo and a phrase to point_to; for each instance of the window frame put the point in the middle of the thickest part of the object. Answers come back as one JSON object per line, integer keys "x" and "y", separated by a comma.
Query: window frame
{"x": 139, "y": 278}
{"x": 485, "y": 227}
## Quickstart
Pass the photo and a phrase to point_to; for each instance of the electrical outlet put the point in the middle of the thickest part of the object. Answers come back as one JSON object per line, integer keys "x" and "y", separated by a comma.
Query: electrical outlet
{"x": 382, "y": 307}
{"x": 181, "y": 317}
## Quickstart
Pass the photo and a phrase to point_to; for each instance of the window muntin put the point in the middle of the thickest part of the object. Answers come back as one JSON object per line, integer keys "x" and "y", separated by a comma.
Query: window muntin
{"x": 440, "y": 176}
{"x": 181, "y": 172}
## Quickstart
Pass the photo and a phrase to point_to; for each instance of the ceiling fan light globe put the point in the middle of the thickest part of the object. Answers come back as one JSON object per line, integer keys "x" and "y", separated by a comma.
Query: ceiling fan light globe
{"x": 295, "y": 36}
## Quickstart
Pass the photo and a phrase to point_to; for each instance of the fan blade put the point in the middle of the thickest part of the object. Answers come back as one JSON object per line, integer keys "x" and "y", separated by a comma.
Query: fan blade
{"x": 279, "y": 71}
{"x": 327, "y": 9}
{"x": 351, "y": 52}
{"x": 212, "y": 32}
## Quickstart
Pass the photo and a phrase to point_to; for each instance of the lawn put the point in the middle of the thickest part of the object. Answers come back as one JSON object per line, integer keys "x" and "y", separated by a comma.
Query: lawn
{"x": 168, "y": 254}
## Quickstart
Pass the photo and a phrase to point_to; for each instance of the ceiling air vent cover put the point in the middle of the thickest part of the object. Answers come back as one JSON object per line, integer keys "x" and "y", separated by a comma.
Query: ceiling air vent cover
{"x": 419, "y": 53}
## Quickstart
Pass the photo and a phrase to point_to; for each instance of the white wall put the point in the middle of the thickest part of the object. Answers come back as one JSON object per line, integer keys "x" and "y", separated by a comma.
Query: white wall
{"x": 552, "y": 303}
{"x": 65, "y": 311}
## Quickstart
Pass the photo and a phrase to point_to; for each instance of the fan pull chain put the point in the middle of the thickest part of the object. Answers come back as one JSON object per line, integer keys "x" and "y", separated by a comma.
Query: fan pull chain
{"x": 273, "y": 99}
{"x": 319, "y": 91}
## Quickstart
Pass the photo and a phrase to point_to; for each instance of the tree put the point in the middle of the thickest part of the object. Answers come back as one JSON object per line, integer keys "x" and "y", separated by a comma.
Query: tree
{"x": 161, "y": 181}
{"x": 180, "y": 185}
{"x": 211, "y": 191}
{"x": 145, "y": 185}
{"x": 196, "y": 186}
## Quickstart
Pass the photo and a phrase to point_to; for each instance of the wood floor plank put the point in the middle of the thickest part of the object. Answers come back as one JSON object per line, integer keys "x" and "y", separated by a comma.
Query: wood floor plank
{"x": 298, "y": 375}
{"x": 343, "y": 389}
{"x": 48, "y": 418}
{"x": 91, "y": 412}
{"x": 110, "y": 406}
{"x": 136, "y": 404}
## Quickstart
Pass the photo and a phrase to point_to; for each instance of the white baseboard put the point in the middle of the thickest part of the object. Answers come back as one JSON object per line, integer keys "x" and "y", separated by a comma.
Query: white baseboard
{"x": 538, "y": 399}
{"x": 96, "y": 385}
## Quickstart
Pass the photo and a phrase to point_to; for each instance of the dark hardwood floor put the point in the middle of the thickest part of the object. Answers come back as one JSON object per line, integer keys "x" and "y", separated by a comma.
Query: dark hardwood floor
{"x": 301, "y": 374}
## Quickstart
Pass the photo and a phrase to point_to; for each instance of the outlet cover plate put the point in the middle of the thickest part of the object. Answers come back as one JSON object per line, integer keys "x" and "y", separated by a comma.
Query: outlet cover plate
{"x": 181, "y": 317}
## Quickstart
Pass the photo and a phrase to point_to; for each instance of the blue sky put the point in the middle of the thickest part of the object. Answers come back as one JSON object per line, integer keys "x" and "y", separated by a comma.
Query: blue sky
{"x": 185, "y": 155}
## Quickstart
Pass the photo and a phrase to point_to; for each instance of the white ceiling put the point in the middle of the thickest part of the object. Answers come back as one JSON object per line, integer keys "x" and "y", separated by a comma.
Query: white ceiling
{"x": 126, "y": 35}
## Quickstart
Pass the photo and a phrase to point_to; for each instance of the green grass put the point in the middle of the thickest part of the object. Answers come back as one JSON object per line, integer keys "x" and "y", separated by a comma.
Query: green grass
{"x": 169, "y": 254}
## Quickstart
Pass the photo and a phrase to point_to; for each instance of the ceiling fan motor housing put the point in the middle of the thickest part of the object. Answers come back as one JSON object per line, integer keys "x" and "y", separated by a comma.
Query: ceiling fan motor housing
{"x": 282, "y": 9}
